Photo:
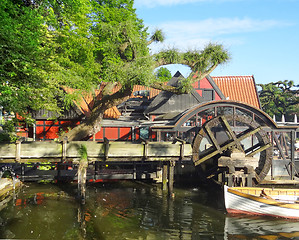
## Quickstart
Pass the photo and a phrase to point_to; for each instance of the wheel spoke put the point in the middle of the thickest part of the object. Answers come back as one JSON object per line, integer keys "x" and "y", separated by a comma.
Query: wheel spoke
{"x": 218, "y": 138}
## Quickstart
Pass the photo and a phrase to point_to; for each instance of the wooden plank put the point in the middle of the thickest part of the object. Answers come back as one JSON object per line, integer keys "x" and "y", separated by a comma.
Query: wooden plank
{"x": 8, "y": 150}
{"x": 164, "y": 150}
{"x": 212, "y": 137}
{"x": 259, "y": 150}
{"x": 225, "y": 147}
{"x": 41, "y": 150}
{"x": 231, "y": 133}
{"x": 52, "y": 151}
{"x": 125, "y": 149}
{"x": 226, "y": 161}
{"x": 164, "y": 176}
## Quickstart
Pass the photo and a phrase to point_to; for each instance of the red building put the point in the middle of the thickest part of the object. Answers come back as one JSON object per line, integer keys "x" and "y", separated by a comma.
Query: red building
{"x": 148, "y": 112}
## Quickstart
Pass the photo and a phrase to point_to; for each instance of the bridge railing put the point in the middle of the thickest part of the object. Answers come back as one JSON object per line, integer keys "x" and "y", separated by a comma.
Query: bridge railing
{"x": 97, "y": 151}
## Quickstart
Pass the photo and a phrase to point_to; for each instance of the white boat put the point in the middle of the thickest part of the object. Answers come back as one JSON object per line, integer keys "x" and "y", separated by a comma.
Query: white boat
{"x": 262, "y": 201}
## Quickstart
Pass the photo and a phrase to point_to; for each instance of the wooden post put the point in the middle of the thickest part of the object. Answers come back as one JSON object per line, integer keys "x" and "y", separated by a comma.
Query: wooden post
{"x": 64, "y": 146}
{"x": 164, "y": 176}
{"x": 250, "y": 174}
{"x": 145, "y": 147}
{"x": 231, "y": 171}
{"x": 293, "y": 140}
{"x": 23, "y": 171}
{"x": 82, "y": 170}
{"x": 134, "y": 171}
{"x": 171, "y": 178}
{"x": 106, "y": 151}
{"x": 18, "y": 151}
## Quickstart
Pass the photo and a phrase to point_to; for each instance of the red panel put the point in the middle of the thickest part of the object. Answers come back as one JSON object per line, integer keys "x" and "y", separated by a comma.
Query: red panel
{"x": 49, "y": 122}
{"x": 205, "y": 84}
{"x": 195, "y": 85}
{"x": 99, "y": 135}
{"x": 51, "y": 132}
{"x": 111, "y": 133}
{"x": 22, "y": 134}
{"x": 217, "y": 97}
{"x": 39, "y": 132}
{"x": 153, "y": 134}
{"x": 39, "y": 122}
{"x": 66, "y": 122}
{"x": 199, "y": 92}
{"x": 125, "y": 133}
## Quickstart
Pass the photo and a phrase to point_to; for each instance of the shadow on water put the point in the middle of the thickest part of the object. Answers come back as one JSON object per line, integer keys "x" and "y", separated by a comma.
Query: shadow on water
{"x": 127, "y": 210}
{"x": 256, "y": 227}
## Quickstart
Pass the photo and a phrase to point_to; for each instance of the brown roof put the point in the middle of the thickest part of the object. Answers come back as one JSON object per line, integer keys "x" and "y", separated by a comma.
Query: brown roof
{"x": 239, "y": 88}
{"x": 85, "y": 103}
{"x": 152, "y": 91}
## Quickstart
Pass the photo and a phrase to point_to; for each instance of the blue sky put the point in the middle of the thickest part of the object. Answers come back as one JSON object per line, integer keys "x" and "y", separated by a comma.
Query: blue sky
{"x": 262, "y": 36}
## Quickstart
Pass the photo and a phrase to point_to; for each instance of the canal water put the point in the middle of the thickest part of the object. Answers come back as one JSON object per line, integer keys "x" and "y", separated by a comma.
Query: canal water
{"x": 130, "y": 210}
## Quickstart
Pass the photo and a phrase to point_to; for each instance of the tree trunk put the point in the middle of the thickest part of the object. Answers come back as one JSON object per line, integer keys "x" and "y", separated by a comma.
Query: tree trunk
{"x": 93, "y": 123}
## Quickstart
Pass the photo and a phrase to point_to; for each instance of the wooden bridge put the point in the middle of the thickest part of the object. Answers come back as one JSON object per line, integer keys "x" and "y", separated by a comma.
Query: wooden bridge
{"x": 231, "y": 141}
{"x": 30, "y": 152}
{"x": 156, "y": 160}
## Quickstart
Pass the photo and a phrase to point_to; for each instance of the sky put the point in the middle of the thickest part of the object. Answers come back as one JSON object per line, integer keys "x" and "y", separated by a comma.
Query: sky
{"x": 261, "y": 36}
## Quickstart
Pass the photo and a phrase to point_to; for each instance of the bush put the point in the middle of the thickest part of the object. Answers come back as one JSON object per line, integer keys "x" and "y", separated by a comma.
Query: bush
{"x": 8, "y": 133}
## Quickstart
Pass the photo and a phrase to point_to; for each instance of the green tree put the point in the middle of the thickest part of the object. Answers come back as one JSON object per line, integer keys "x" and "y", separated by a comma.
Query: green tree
{"x": 44, "y": 45}
{"x": 280, "y": 98}
{"x": 84, "y": 44}
{"x": 123, "y": 52}
{"x": 163, "y": 74}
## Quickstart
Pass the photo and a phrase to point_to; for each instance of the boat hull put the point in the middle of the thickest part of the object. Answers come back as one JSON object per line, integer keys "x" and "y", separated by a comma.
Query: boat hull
{"x": 242, "y": 203}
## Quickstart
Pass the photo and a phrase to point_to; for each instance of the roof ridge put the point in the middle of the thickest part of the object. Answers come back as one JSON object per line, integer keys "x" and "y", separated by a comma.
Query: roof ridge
{"x": 232, "y": 76}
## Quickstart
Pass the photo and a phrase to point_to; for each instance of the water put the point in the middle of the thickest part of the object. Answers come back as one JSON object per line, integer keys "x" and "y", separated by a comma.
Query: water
{"x": 126, "y": 210}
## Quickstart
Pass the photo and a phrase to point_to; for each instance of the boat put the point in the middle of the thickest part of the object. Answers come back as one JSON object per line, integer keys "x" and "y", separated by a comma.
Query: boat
{"x": 262, "y": 201}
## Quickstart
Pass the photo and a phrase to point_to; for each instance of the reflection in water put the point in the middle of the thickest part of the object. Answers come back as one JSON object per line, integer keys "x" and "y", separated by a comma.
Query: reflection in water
{"x": 127, "y": 210}
{"x": 257, "y": 227}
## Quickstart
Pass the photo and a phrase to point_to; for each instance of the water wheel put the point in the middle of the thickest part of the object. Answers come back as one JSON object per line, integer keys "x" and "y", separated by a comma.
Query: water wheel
{"x": 223, "y": 134}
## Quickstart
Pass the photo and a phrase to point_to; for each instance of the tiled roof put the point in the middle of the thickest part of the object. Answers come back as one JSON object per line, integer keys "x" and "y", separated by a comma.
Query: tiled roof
{"x": 86, "y": 101}
{"x": 152, "y": 91}
{"x": 239, "y": 88}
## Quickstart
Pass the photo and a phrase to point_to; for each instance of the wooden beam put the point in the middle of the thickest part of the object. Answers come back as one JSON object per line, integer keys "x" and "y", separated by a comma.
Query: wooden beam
{"x": 231, "y": 133}
{"x": 217, "y": 151}
{"x": 171, "y": 178}
{"x": 262, "y": 148}
{"x": 164, "y": 176}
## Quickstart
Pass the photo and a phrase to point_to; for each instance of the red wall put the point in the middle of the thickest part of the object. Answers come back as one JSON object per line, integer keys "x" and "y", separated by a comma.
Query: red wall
{"x": 49, "y": 130}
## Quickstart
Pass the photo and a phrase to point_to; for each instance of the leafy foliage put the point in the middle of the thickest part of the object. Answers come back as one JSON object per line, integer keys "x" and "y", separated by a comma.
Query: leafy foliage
{"x": 163, "y": 74}
{"x": 8, "y": 132}
{"x": 280, "y": 98}
{"x": 158, "y": 36}
{"x": 83, "y": 44}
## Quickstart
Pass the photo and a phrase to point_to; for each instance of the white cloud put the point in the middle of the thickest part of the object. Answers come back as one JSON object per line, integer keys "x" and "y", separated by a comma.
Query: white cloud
{"x": 192, "y": 34}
